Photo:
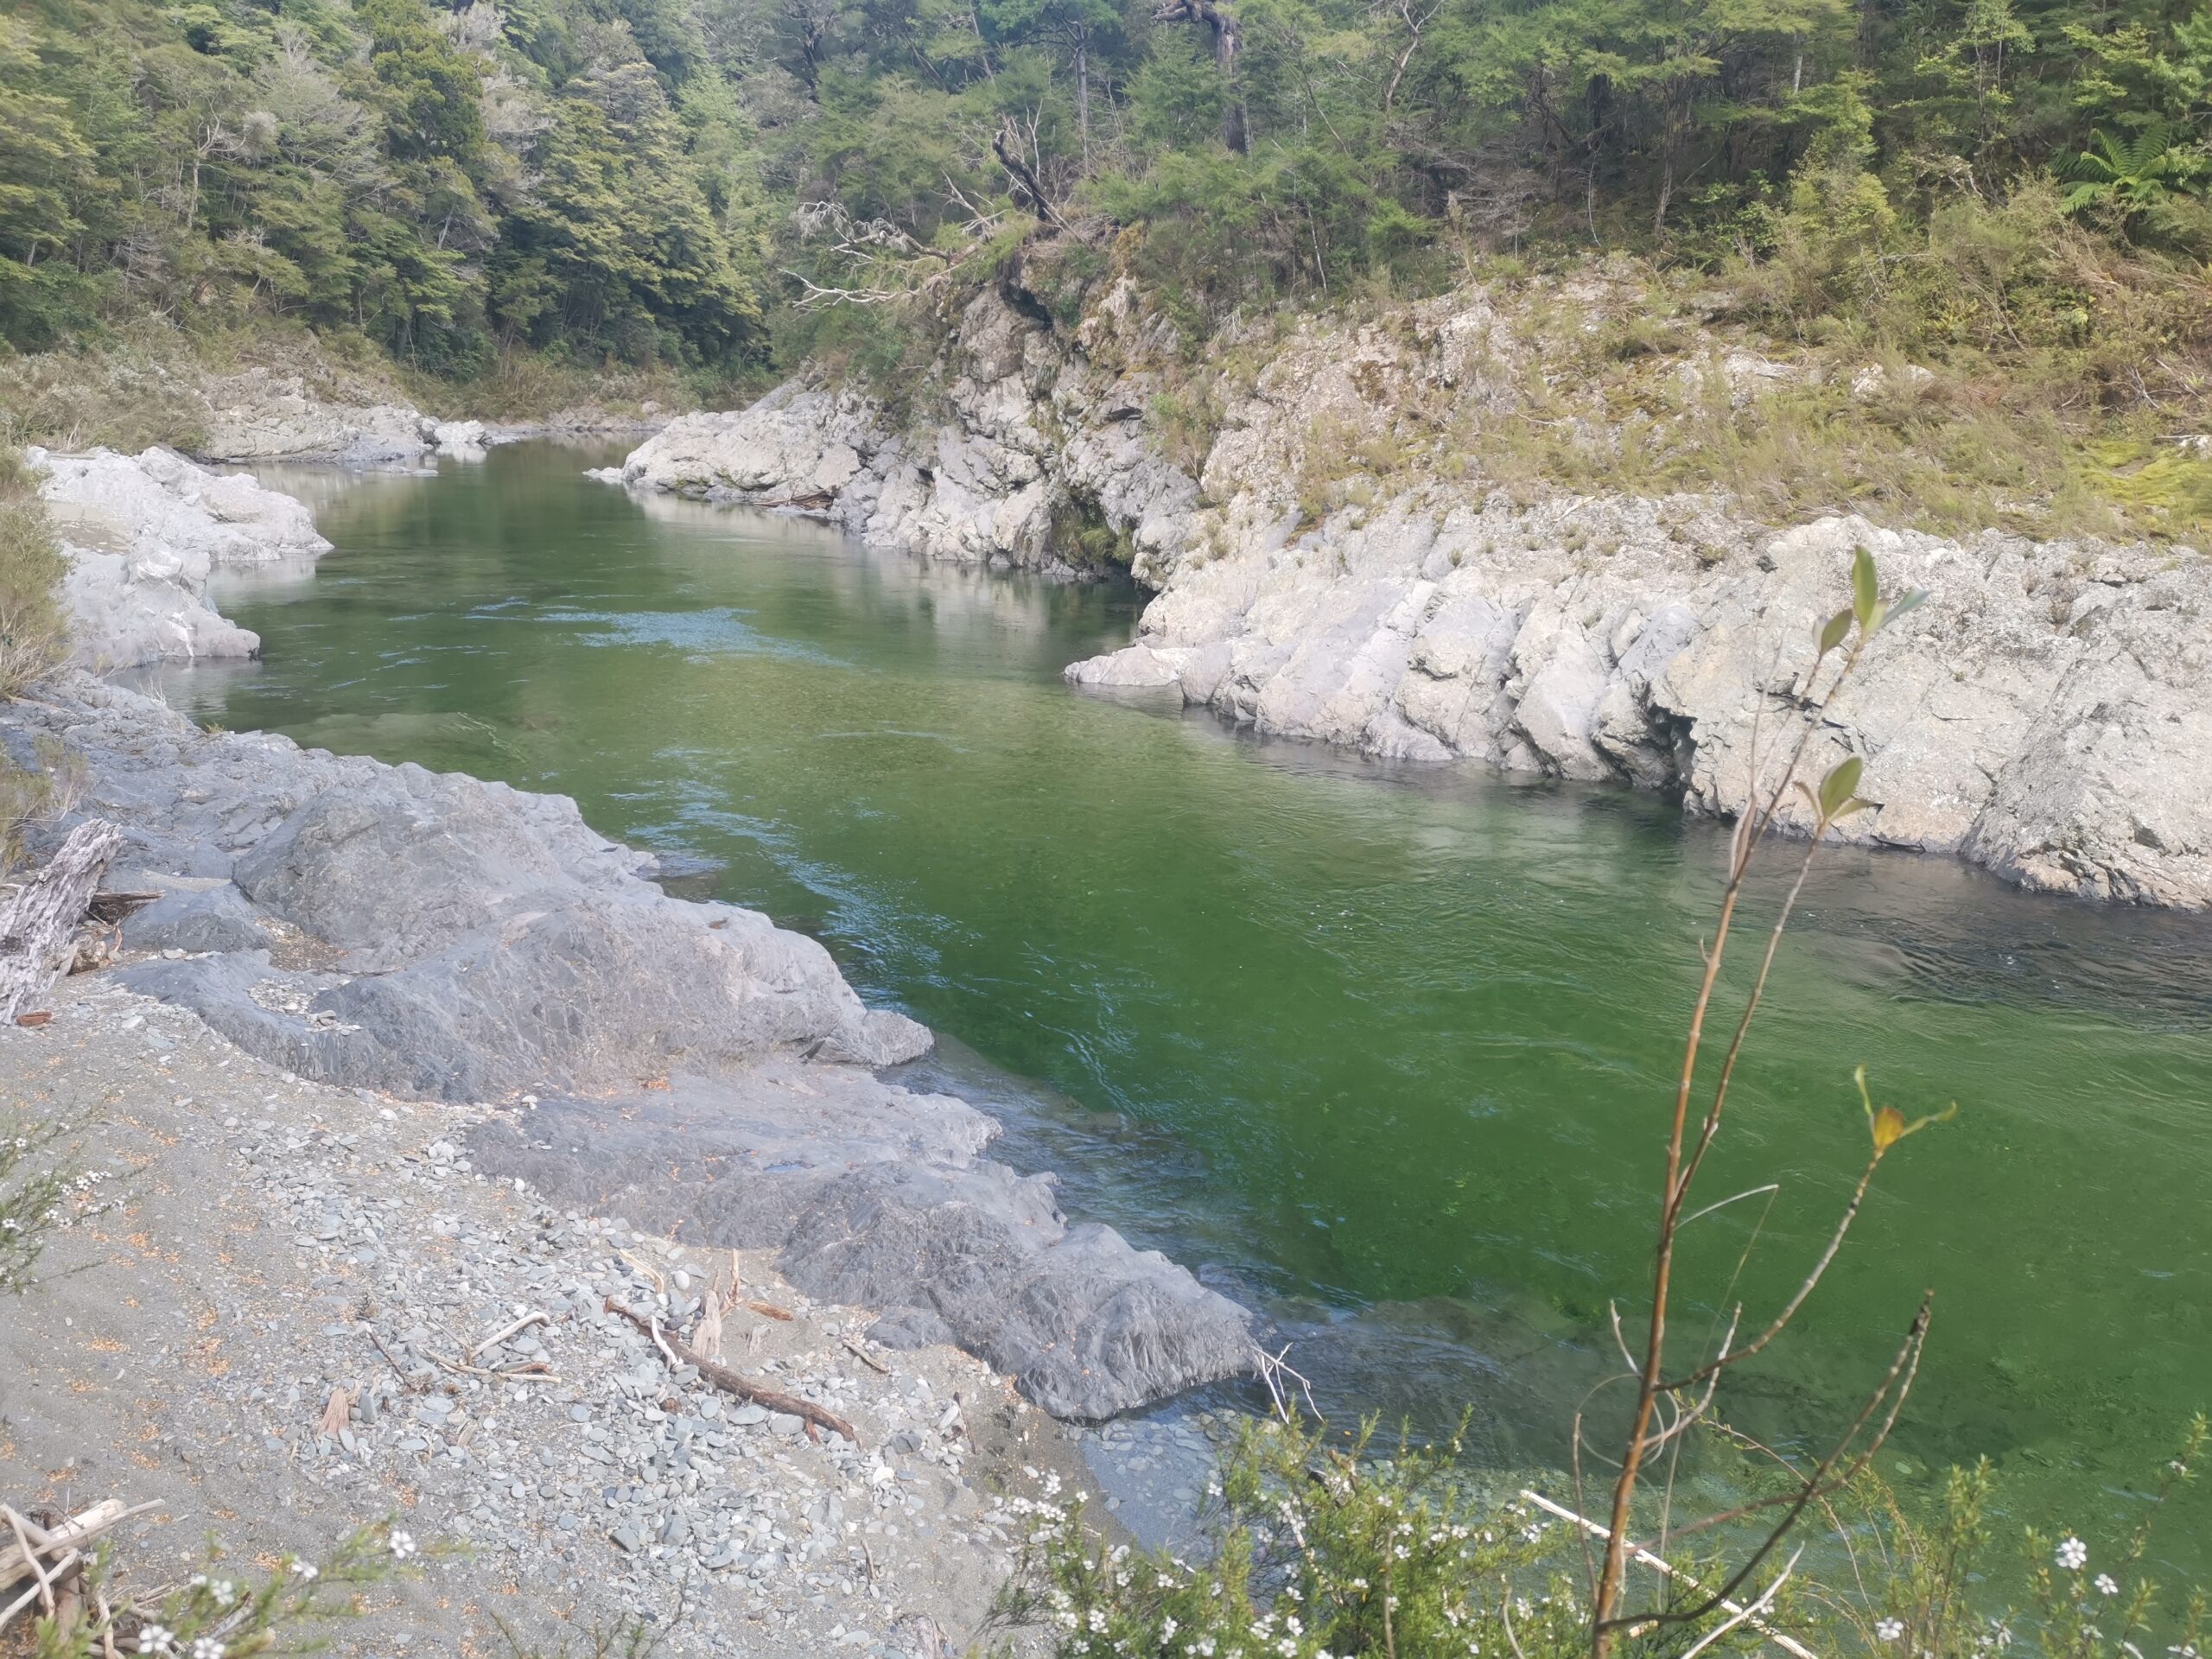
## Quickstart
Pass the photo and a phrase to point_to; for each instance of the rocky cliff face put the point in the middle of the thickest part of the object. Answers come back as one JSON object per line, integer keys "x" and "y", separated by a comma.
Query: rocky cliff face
{"x": 2045, "y": 713}
{"x": 1016, "y": 439}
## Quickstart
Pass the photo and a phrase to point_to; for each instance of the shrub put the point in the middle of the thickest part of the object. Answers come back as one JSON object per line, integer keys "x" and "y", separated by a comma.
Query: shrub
{"x": 32, "y": 638}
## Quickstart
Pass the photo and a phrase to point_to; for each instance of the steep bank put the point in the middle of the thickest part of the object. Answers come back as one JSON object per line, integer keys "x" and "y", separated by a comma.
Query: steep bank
{"x": 1341, "y": 559}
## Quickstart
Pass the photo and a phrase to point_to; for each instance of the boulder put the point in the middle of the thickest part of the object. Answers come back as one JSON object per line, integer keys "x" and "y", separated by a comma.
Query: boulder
{"x": 142, "y": 534}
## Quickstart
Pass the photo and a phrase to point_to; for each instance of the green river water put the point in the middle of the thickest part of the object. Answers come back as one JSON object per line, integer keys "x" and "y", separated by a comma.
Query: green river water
{"x": 1382, "y": 1050}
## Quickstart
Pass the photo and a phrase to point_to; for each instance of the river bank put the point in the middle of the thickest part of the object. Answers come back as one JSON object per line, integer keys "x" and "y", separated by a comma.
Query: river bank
{"x": 251, "y": 1242}
{"x": 1351, "y": 1038}
{"x": 383, "y": 946}
{"x": 1347, "y": 550}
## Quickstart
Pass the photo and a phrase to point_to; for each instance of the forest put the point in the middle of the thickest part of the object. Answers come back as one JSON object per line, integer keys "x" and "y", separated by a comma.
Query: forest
{"x": 683, "y": 181}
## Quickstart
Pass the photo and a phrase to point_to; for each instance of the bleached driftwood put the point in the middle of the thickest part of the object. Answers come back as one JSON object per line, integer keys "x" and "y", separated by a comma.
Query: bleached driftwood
{"x": 38, "y": 920}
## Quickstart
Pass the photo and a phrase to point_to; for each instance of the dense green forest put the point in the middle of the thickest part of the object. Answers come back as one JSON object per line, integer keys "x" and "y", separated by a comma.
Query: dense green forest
{"x": 658, "y": 180}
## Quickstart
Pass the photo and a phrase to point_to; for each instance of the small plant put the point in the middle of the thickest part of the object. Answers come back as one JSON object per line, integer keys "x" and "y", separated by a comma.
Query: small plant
{"x": 1314, "y": 1549}
{"x": 32, "y": 638}
{"x": 80, "y": 1609}
{"x": 2130, "y": 175}
{"x": 33, "y": 1186}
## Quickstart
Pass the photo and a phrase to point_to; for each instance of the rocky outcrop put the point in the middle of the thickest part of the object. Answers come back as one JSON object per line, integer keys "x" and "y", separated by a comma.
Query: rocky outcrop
{"x": 1019, "y": 441}
{"x": 258, "y": 415}
{"x": 142, "y": 534}
{"x": 435, "y": 938}
{"x": 261, "y": 414}
{"x": 1343, "y": 567}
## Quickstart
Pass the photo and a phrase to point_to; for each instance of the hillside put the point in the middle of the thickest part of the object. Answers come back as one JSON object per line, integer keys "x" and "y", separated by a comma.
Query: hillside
{"x": 505, "y": 195}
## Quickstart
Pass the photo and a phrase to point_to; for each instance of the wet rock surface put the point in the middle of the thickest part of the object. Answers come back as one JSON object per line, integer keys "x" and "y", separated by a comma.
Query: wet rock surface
{"x": 433, "y": 938}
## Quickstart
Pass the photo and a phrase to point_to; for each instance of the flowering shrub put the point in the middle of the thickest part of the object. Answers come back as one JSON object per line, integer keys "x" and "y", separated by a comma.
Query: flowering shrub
{"x": 215, "y": 1615}
{"x": 1315, "y": 1552}
{"x": 2084, "y": 1602}
{"x": 32, "y": 1191}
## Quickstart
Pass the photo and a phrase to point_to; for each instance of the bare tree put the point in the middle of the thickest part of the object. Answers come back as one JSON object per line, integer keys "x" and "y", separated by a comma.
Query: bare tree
{"x": 1670, "y": 1403}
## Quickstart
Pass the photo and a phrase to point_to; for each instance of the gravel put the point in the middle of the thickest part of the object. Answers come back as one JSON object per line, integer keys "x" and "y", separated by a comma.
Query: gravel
{"x": 246, "y": 1242}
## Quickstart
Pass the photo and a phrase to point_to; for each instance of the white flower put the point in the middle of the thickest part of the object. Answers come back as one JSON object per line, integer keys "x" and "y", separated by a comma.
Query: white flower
{"x": 402, "y": 1545}
{"x": 306, "y": 1570}
{"x": 2073, "y": 1555}
{"x": 222, "y": 1590}
{"x": 154, "y": 1639}
{"x": 2105, "y": 1585}
{"x": 206, "y": 1648}
{"x": 1889, "y": 1629}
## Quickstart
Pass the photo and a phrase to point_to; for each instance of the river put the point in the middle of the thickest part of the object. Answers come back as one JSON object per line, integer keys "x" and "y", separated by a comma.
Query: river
{"x": 1384, "y": 1051}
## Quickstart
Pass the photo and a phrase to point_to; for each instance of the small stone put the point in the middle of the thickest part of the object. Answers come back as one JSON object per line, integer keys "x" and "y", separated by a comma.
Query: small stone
{"x": 626, "y": 1538}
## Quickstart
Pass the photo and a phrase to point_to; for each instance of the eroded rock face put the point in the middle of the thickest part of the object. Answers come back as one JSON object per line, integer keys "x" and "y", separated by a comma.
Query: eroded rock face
{"x": 142, "y": 533}
{"x": 1023, "y": 437}
{"x": 2042, "y": 714}
{"x": 433, "y": 936}
{"x": 260, "y": 416}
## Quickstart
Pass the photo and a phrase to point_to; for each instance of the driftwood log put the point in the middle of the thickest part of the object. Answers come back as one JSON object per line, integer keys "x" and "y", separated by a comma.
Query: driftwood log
{"x": 53, "y": 1557}
{"x": 674, "y": 1349}
{"x": 38, "y": 921}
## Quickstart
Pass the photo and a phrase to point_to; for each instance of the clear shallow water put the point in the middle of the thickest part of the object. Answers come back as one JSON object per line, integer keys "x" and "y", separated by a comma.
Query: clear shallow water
{"x": 1384, "y": 1051}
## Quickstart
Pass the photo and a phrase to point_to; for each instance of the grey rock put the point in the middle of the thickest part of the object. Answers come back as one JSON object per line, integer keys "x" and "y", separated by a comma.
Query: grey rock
{"x": 142, "y": 534}
{"x": 908, "y": 1328}
{"x": 876, "y": 1196}
{"x": 216, "y": 918}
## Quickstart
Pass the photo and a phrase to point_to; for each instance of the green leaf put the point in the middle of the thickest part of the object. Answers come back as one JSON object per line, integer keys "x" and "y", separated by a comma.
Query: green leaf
{"x": 1836, "y": 788}
{"x": 1902, "y": 604}
{"x": 1833, "y": 630}
{"x": 1866, "y": 589}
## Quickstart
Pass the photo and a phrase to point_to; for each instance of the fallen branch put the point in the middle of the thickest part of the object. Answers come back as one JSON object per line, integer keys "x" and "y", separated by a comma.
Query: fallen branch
{"x": 1644, "y": 1557}
{"x": 504, "y": 1331}
{"x": 77, "y": 1531}
{"x": 678, "y": 1353}
{"x": 405, "y": 1381}
{"x": 866, "y": 1357}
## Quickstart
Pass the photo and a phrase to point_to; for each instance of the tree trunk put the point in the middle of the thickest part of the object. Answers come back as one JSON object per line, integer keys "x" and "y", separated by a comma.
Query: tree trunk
{"x": 1226, "y": 42}
{"x": 38, "y": 921}
{"x": 1083, "y": 90}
